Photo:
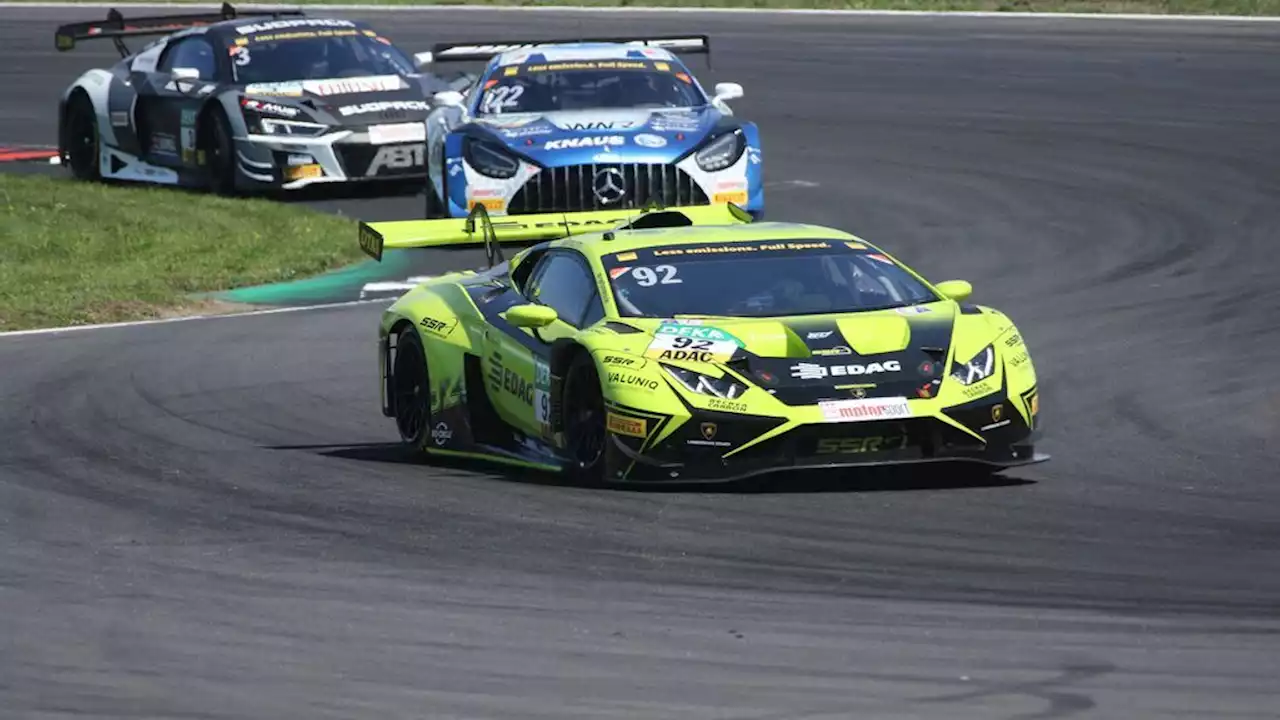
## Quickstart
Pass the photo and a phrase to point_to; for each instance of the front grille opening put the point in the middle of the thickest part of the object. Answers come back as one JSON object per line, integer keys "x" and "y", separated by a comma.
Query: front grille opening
{"x": 573, "y": 188}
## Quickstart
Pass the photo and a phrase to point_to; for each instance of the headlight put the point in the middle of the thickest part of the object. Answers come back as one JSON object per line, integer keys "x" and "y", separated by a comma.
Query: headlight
{"x": 490, "y": 159}
{"x": 272, "y": 126}
{"x": 723, "y": 387}
{"x": 976, "y": 370}
{"x": 721, "y": 152}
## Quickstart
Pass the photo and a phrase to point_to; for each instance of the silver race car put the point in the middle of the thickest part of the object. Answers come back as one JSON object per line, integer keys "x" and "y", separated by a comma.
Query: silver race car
{"x": 233, "y": 103}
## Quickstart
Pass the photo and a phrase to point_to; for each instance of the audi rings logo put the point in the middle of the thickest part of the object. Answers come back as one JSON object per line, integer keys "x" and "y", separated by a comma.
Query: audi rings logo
{"x": 609, "y": 186}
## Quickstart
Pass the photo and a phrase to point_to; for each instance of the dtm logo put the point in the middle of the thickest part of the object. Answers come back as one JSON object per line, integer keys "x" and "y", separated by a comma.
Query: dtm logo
{"x": 396, "y": 157}
{"x": 813, "y": 371}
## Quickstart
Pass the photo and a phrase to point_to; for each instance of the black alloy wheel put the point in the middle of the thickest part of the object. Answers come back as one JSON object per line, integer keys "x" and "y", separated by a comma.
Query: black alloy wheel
{"x": 410, "y": 388}
{"x": 584, "y": 420}
{"x": 82, "y": 139}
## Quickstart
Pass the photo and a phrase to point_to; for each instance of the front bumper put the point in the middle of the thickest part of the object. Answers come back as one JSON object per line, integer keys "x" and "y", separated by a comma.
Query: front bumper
{"x": 572, "y": 188}
{"x": 293, "y": 162}
{"x": 715, "y": 446}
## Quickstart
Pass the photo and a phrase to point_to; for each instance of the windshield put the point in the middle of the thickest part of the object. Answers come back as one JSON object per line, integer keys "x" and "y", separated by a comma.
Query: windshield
{"x": 589, "y": 84}
{"x": 760, "y": 279}
{"x": 315, "y": 55}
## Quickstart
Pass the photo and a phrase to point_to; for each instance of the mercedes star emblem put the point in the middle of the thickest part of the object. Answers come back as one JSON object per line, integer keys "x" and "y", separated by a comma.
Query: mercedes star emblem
{"x": 609, "y": 186}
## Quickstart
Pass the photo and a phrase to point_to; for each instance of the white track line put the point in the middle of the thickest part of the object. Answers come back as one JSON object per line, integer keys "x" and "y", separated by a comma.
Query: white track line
{"x": 320, "y": 9}
{"x": 186, "y": 318}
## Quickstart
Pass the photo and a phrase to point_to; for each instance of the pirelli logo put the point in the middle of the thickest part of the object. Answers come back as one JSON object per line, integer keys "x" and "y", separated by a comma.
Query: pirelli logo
{"x": 634, "y": 427}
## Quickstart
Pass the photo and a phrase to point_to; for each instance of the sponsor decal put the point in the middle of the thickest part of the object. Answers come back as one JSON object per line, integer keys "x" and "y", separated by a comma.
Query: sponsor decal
{"x": 820, "y": 334}
{"x": 164, "y": 143}
{"x": 664, "y": 67}
{"x": 384, "y": 106}
{"x": 606, "y": 157}
{"x": 837, "y": 350}
{"x": 528, "y": 131}
{"x": 699, "y": 343}
{"x": 269, "y": 108}
{"x": 351, "y": 86}
{"x": 753, "y": 155}
{"x": 639, "y": 382}
{"x": 741, "y": 248}
{"x": 997, "y": 412}
{"x": 625, "y": 257}
{"x": 737, "y": 197}
{"x": 726, "y": 405}
{"x": 441, "y": 433}
{"x": 865, "y": 409}
{"x": 913, "y": 310}
{"x": 985, "y": 387}
{"x": 708, "y": 431}
{"x": 119, "y": 118}
{"x": 855, "y": 246}
{"x": 490, "y": 204}
{"x": 286, "y": 24}
{"x": 880, "y": 258}
{"x": 517, "y": 386}
{"x": 278, "y": 89}
{"x": 396, "y": 157}
{"x": 581, "y": 142}
{"x": 437, "y": 327}
{"x": 598, "y": 125}
{"x": 1019, "y": 359}
{"x": 650, "y": 141}
{"x": 633, "y": 427}
{"x": 674, "y": 122}
{"x": 814, "y": 371}
{"x": 621, "y": 361}
{"x": 300, "y": 160}
{"x": 858, "y": 445}
{"x": 542, "y": 392}
{"x": 303, "y": 172}
{"x": 994, "y": 425}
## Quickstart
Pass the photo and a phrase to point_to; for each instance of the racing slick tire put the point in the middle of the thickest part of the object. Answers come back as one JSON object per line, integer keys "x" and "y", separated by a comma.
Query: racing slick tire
{"x": 219, "y": 151}
{"x": 80, "y": 139}
{"x": 583, "y": 419}
{"x": 411, "y": 389}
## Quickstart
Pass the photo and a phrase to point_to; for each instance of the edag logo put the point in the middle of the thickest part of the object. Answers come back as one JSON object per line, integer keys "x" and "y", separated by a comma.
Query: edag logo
{"x": 814, "y": 371}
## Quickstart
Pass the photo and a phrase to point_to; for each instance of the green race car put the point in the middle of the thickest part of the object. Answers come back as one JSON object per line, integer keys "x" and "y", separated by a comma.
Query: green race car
{"x": 692, "y": 344}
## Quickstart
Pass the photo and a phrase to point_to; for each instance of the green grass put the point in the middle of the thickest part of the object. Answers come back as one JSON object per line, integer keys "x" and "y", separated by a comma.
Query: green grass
{"x": 1159, "y": 7}
{"x": 74, "y": 253}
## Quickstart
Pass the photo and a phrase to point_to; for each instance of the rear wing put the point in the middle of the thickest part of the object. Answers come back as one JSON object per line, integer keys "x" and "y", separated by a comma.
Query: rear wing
{"x": 479, "y": 228}
{"x": 484, "y": 51}
{"x": 117, "y": 27}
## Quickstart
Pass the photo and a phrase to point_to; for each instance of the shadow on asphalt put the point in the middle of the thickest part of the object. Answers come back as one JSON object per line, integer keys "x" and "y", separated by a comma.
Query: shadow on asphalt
{"x": 847, "y": 480}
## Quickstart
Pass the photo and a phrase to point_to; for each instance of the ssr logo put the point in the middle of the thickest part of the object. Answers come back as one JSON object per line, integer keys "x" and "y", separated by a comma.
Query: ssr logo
{"x": 517, "y": 386}
{"x": 859, "y": 445}
{"x": 397, "y": 157}
{"x": 618, "y": 360}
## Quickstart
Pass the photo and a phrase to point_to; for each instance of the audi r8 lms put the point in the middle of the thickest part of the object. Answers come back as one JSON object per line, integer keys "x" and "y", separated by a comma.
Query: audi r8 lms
{"x": 232, "y": 103}
{"x": 694, "y": 345}
{"x": 579, "y": 126}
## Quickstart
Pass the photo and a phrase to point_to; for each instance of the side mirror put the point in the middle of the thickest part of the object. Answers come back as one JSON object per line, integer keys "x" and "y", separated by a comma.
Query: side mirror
{"x": 186, "y": 73}
{"x": 451, "y": 98}
{"x": 728, "y": 91}
{"x": 531, "y": 315}
{"x": 422, "y": 60}
{"x": 957, "y": 290}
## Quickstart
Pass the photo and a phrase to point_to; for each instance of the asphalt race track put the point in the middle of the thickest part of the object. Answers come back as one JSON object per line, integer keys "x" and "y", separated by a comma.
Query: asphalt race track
{"x": 210, "y": 519}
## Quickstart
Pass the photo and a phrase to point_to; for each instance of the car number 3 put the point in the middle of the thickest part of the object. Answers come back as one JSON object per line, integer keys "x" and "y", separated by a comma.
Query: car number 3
{"x": 648, "y": 277}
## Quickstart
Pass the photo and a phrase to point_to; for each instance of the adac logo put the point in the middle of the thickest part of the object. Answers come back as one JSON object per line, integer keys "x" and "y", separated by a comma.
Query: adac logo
{"x": 708, "y": 430}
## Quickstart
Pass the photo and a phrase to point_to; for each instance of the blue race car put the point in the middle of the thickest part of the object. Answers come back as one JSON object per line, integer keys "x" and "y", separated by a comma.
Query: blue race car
{"x": 558, "y": 126}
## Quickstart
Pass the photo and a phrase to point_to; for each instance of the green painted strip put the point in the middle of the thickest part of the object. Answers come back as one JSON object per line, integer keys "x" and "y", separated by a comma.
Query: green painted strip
{"x": 341, "y": 285}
